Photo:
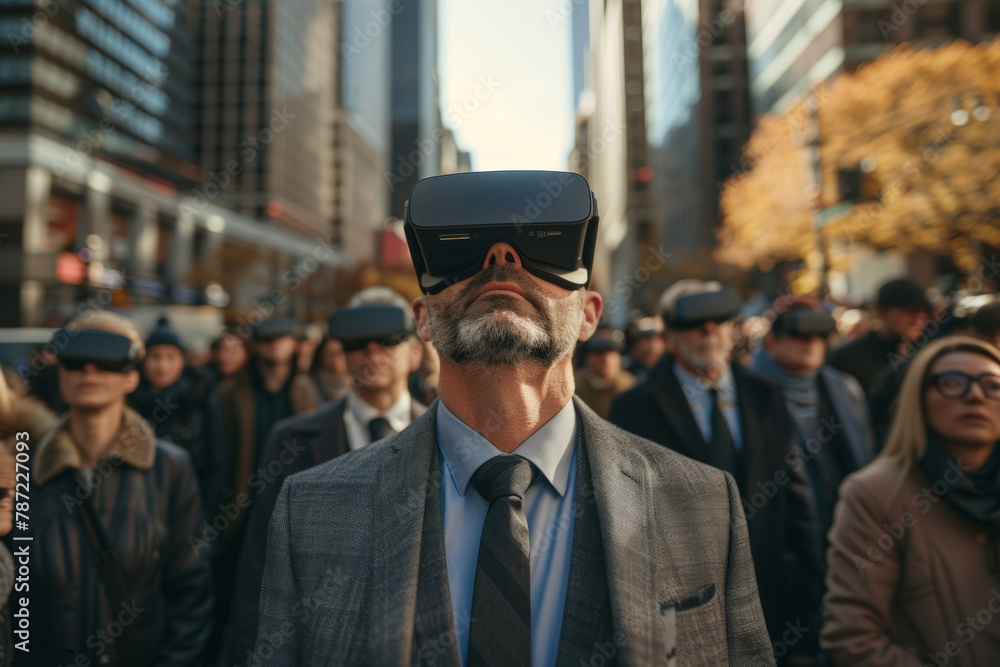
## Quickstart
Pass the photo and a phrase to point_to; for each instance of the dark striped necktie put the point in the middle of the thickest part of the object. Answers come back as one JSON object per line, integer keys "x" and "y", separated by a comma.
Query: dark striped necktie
{"x": 500, "y": 633}
{"x": 723, "y": 447}
{"x": 379, "y": 428}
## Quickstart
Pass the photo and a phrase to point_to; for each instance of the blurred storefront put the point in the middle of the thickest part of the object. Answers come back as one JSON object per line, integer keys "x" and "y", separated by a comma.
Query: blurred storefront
{"x": 79, "y": 232}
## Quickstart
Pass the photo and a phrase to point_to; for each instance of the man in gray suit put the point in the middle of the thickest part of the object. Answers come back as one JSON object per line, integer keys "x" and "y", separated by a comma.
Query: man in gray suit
{"x": 510, "y": 524}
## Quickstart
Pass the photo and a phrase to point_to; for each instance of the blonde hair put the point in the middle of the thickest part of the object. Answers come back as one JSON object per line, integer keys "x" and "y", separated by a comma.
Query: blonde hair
{"x": 907, "y": 441}
{"x": 103, "y": 320}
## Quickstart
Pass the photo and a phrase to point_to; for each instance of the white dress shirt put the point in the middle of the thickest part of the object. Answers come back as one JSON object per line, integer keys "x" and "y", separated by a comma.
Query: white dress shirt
{"x": 549, "y": 506}
{"x": 358, "y": 413}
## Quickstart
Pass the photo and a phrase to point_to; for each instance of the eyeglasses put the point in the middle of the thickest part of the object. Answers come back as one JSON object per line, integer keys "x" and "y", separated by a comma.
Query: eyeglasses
{"x": 111, "y": 365}
{"x": 955, "y": 384}
{"x": 392, "y": 340}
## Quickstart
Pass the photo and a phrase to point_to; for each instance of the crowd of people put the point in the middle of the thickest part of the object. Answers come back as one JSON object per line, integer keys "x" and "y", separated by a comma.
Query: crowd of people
{"x": 869, "y": 474}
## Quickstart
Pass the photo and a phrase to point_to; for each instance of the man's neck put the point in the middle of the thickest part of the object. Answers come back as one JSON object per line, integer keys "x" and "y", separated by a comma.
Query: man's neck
{"x": 274, "y": 375}
{"x": 94, "y": 430}
{"x": 381, "y": 399}
{"x": 506, "y": 404}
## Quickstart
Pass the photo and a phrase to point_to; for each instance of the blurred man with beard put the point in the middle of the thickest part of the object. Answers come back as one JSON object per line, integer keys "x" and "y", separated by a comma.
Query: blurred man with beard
{"x": 509, "y": 524}
{"x": 701, "y": 403}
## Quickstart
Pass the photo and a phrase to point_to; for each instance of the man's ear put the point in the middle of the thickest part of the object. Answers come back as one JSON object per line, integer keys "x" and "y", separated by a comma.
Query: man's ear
{"x": 420, "y": 317}
{"x": 769, "y": 341}
{"x": 593, "y": 306}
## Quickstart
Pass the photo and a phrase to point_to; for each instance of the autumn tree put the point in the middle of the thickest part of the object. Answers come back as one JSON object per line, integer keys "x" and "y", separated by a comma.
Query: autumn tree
{"x": 920, "y": 127}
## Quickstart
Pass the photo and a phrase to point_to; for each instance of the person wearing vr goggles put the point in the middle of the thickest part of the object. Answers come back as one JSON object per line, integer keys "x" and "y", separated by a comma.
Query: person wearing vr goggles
{"x": 509, "y": 519}
{"x": 376, "y": 330}
{"x": 114, "y": 511}
{"x": 703, "y": 404}
{"x": 601, "y": 377}
{"x": 828, "y": 407}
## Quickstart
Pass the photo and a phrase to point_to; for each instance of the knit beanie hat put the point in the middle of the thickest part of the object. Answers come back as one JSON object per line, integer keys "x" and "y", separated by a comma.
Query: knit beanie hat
{"x": 162, "y": 334}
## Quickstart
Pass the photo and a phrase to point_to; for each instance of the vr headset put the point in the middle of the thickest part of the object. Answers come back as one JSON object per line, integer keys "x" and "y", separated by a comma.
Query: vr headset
{"x": 357, "y": 326}
{"x": 276, "y": 328}
{"x": 108, "y": 351}
{"x": 694, "y": 310}
{"x": 550, "y": 217}
{"x": 804, "y": 323}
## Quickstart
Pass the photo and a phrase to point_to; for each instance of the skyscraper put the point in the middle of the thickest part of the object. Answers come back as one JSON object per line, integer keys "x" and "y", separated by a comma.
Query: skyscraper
{"x": 266, "y": 105}
{"x": 792, "y": 46}
{"x": 415, "y": 115}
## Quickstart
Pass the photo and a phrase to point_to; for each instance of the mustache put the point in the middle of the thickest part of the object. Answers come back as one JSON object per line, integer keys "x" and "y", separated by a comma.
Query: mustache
{"x": 500, "y": 274}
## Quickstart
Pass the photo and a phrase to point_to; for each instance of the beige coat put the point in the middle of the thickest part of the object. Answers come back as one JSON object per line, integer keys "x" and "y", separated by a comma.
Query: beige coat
{"x": 908, "y": 581}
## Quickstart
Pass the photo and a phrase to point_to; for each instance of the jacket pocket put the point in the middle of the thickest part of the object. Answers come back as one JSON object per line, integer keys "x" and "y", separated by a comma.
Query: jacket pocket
{"x": 701, "y": 596}
{"x": 699, "y": 628}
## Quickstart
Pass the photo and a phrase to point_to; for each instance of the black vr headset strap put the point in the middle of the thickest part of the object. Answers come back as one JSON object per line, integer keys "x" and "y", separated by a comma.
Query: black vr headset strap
{"x": 110, "y": 566}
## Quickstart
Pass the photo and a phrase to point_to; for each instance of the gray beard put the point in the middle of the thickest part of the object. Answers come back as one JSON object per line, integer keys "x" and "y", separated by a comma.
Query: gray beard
{"x": 503, "y": 337}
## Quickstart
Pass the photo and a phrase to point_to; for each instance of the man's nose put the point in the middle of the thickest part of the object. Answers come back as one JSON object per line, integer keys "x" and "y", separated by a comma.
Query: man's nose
{"x": 502, "y": 253}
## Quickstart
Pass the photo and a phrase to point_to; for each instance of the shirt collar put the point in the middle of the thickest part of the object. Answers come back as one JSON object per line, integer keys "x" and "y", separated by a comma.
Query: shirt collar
{"x": 696, "y": 386}
{"x": 398, "y": 414}
{"x": 550, "y": 448}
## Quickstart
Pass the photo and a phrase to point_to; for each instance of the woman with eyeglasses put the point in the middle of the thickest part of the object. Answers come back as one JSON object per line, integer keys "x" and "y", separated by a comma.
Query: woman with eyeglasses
{"x": 914, "y": 561}
{"x": 118, "y": 575}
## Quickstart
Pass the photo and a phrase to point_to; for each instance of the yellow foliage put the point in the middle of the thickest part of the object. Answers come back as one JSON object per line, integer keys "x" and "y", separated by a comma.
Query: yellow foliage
{"x": 937, "y": 179}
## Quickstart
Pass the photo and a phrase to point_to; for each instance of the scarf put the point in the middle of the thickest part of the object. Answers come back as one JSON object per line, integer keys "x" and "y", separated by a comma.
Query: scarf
{"x": 977, "y": 493}
{"x": 801, "y": 391}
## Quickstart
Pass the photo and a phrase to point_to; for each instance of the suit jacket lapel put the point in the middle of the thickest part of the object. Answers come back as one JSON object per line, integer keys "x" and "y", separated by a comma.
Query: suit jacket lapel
{"x": 406, "y": 482}
{"x": 434, "y": 620}
{"x": 675, "y": 407}
{"x": 752, "y": 432}
{"x": 586, "y": 611}
{"x": 621, "y": 487}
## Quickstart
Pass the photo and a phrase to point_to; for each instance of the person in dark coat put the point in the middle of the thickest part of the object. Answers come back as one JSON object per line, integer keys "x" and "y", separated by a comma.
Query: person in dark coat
{"x": 983, "y": 325}
{"x": 268, "y": 389}
{"x": 701, "y": 403}
{"x": 181, "y": 404}
{"x": 379, "y": 361}
{"x": 114, "y": 577}
{"x": 903, "y": 311}
{"x": 828, "y": 407}
{"x": 228, "y": 357}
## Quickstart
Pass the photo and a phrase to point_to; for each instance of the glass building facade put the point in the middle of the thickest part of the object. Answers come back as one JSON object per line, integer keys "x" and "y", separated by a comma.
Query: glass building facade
{"x": 113, "y": 76}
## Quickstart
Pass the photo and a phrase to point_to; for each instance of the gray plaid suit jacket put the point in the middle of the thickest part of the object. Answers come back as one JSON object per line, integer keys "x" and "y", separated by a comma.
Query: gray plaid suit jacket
{"x": 350, "y": 539}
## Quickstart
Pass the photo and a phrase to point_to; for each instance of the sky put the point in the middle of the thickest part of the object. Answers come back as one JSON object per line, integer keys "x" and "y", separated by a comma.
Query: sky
{"x": 506, "y": 81}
